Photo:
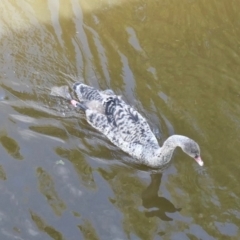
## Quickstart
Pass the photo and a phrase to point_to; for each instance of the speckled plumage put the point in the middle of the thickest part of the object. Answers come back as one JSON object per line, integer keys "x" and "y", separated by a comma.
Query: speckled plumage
{"x": 125, "y": 127}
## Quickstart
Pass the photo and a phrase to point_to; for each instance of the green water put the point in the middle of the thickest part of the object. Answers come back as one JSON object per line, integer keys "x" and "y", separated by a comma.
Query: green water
{"x": 176, "y": 62}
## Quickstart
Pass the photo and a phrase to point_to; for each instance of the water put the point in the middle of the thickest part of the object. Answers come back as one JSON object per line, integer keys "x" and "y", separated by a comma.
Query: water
{"x": 177, "y": 62}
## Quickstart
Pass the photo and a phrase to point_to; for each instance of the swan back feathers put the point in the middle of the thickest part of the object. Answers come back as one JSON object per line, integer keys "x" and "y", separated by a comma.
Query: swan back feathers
{"x": 121, "y": 123}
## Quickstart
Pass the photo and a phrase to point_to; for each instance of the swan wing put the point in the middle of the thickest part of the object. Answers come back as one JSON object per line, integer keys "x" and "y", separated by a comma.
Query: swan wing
{"x": 122, "y": 122}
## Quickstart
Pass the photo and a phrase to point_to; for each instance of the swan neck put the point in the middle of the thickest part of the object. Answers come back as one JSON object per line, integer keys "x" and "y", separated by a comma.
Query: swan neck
{"x": 166, "y": 151}
{"x": 160, "y": 156}
{"x": 175, "y": 141}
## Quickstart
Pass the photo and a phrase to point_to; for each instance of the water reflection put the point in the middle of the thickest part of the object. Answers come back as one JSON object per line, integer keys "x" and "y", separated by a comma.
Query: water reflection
{"x": 11, "y": 146}
{"x": 88, "y": 231}
{"x": 157, "y": 206}
{"x": 177, "y": 62}
{"x": 82, "y": 167}
{"x": 2, "y": 173}
{"x": 127, "y": 199}
{"x": 44, "y": 227}
{"x": 46, "y": 187}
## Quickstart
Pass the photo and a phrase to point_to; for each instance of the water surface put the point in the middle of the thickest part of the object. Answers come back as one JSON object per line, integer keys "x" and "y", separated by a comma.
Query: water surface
{"x": 176, "y": 62}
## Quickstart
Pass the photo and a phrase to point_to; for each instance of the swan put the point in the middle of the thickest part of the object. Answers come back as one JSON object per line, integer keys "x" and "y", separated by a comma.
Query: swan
{"x": 128, "y": 129}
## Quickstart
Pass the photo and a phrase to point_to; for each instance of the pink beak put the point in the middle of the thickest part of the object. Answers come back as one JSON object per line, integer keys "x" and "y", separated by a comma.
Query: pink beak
{"x": 74, "y": 103}
{"x": 199, "y": 161}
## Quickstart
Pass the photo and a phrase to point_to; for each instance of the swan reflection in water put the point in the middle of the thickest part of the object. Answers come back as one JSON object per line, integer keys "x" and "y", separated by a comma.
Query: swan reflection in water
{"x": 157, "y": 206}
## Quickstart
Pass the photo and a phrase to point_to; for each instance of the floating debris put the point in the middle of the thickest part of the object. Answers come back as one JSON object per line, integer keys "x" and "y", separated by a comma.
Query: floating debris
{"x": 60, "y": 162}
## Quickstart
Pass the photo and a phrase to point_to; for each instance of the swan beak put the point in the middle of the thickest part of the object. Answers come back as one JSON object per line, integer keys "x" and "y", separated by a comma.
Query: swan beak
{"x": 199, "y": 161}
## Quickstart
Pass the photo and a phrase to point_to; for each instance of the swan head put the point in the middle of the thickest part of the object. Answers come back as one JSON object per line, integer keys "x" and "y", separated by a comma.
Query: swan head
{"x": 192, "y": 149}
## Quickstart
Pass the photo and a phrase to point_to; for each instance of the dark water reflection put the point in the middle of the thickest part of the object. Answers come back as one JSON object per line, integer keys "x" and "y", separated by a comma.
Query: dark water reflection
{"x": 158, "y": 206}
{"x": 177, "y": 62}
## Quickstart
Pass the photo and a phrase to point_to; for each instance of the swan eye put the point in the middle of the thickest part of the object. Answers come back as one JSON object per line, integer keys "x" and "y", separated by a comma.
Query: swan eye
{"x": 196, "y": 156}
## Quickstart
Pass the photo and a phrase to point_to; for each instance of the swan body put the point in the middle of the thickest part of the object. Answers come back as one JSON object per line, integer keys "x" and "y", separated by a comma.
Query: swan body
{"x": 128, "y": 129}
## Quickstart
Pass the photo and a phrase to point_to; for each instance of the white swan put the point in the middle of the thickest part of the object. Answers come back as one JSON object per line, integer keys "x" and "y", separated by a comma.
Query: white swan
{"x": 127, "y": 129}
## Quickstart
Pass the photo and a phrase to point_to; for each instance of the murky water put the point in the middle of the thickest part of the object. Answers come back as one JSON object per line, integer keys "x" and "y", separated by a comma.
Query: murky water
{"x": 177, "y": 62}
